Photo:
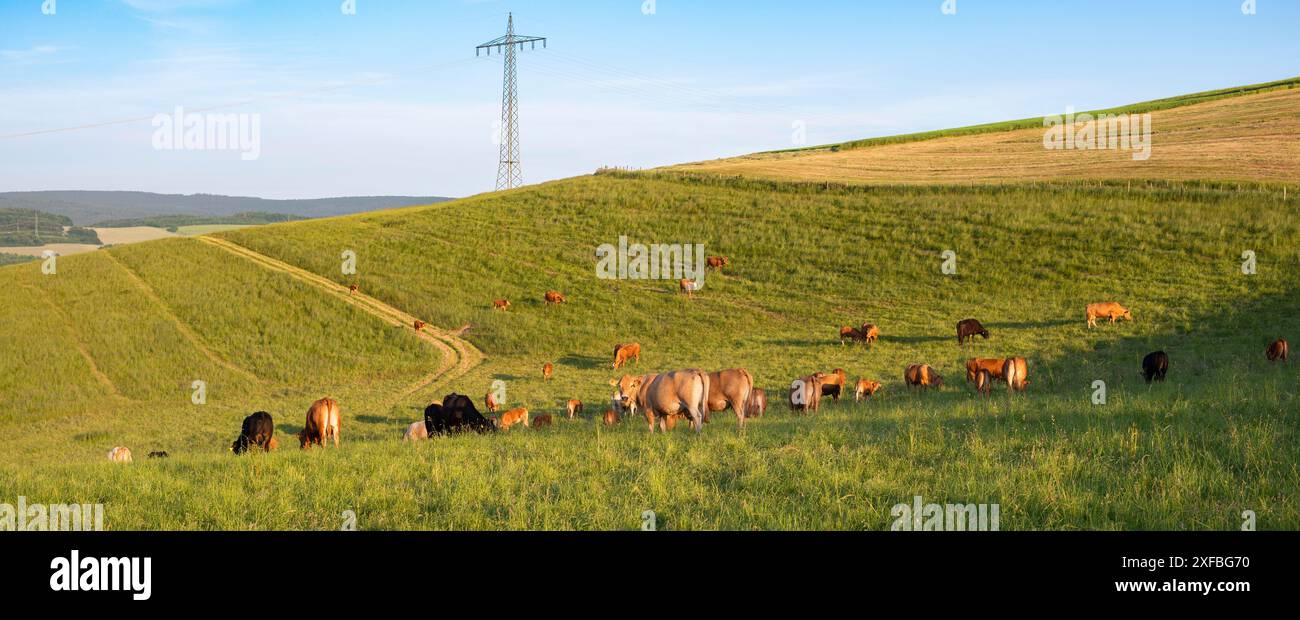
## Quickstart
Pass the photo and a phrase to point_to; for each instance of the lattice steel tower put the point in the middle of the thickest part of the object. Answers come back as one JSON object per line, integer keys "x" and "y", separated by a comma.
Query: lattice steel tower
{"x": 510, "y": 175}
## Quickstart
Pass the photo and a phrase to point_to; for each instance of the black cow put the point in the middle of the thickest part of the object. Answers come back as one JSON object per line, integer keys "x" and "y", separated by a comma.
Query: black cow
{"x": 968, "y": 329}
{"x": 1154, "y": 366}
{"x": 258, "y": 431}
{"x": 456, "y": 413}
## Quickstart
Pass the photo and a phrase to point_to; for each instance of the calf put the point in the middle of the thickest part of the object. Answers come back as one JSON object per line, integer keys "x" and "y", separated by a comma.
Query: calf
{"x": 984, "y": 382}
{"x": 968, "y": 329}
{"x": 1278, "y": 351}
{"x": 541, "y": 421}
{"x": 718, "y": 262}
{"x": 1108, "y": 309}
{"x": 573, "y": 408}
{"x": 257, "y": 431}
{"x": 418, "y": 325}
{"x": 416, "y": 431}
{"x": 1015, "y": 370}
{"x": 352, "y": 290}
{"x": 611, "y": 417}
{"x": 922, "y": 375}
{"x": 1154, "y": 366}
{"x": 322, "y": 423}
{"x": 490, "y": 401}
{"x": 547, "y": 370}
{"x": 865, "y": 388}
{"x": 833, "y": 383}
{"x": 757, "y": 403}
{"x": 687, "y": 286}
{"x": 513, "y": 417}
{"x": 869, "y": 333}
{"x": 120, "y": 454}
{"x": 501, "y": 304}
{"x": 455, "y": 414}
{"x": 554, "y": 297}
{"x": 975, "y": 364}
{"x": 806, "y": 393}
{"x": 162, "y": 454}
{"x": 623, "y": 353}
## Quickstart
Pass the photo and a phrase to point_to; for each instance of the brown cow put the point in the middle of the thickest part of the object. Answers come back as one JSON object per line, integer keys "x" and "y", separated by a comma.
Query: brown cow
{"x": 869, "y": 333}
{"x": 865, "y": 388}
{"x": 416, "y": 432}
{"x": 554, "y": 297}
{"x": 573, "y": 408}
{"x": 1279, "y": 350}
{"x": 513, "y": 417}
{"x": 718, "y": 262}
{"x": 984, "y": 382}
{"x": 806, "y": 393}
{"x": 500, "y": 304}
{"x": 975, "y": 364}
{"x": 658, "y": 396}
{"x": 352, "y": 290}
{"x": 757, "y": 403}
{"x": 541, "y": 421}
{"x": 490, "y": 400}
{"x": 1108, "y": 309}
{"x": 730, "y": 388}
{"x": 547, "y": 369}
{"x": 1014, "y": 371}
{"x": 922, "y": 375}
{"x": 688, "y": 287}
{"x": 322, "y": 423}
{"x": 849, "y": 333}
{"x": 419, "y": 325}
{"x": 834, "y": 383}
{"x": 120, "y": 454}
{"x": 611, "y": 417}
{"x": 625, "y": 352}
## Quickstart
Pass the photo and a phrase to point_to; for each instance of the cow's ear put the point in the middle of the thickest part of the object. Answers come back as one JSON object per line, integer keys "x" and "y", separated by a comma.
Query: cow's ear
{"x": 613, "y": 382}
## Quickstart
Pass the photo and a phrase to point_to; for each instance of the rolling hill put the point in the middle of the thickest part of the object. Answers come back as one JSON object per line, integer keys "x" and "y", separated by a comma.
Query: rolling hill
{"x": 104, "y": 352}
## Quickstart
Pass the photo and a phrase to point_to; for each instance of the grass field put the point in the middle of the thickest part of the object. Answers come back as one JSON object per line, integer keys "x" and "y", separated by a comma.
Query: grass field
{"x": 207, "y": 229}
{"x": 104, "y": 353}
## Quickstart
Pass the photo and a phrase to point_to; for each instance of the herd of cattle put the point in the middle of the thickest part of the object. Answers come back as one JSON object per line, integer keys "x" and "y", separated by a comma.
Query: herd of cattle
{"x": 691, "y": 395}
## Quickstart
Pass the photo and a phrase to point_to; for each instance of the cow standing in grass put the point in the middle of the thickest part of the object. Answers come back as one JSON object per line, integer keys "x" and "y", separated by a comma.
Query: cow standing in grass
{"x": 258, "y": 431}
{"x": 1279, "y": 350}
{"x": 1109, "y": 310}
{"x": 456, "y": 413}
{"x": 922, "y": 375}
{"x": 730, "y": 388}
{"x": 1015, "y": 370}
{"x": 322, "y": 423}
{"x": 833, "y": 384}
{"x": 659, "y": 396}
{"x": 757, "y": 403}
{"x": 624, "y": 353}
{"x": 806, "y": 393}
{"x": 1155, "y": 366}
{"x": 984, "y": 382}
{"x": 967, "y": 329}
{"x": 865, "y": 388}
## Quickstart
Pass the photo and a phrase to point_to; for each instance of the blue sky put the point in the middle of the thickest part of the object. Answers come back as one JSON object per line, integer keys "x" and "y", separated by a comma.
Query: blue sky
{"x": 391, "y": 100}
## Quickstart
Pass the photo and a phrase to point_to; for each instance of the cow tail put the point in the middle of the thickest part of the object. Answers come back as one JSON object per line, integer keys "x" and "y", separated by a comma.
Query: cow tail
{"x": 704, "y": 395}
{"x": 749, "y": 394}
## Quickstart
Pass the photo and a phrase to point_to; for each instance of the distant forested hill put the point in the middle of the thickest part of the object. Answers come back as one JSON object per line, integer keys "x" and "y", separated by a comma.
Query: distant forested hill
{"x": 86, "y": 208}
{"x": 28, "y": 227}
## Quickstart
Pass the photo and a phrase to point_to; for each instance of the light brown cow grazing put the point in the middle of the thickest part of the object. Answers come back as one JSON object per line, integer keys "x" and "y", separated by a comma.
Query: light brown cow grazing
{"x": 687, "y": 286}
{"x": 984, "y": 382}
{"x": 757, "y": 403}
{"x": 626, "y": 352}
{"x": 500, "y": 304}
{"x": 658, "y": 396}
{"x": 1015, "y": 371}
{"x": 834, "y": 383}
{"x": 541, "y": 421}
{"x": 418, "y": 325}
{"x": 322, "y": 423}
{"x": 730, "y": 388}
{"x": 416, "y": 431}
{"x": 547, "y": 370}
{"x": 806, "y": 393}
{"x": 1108, "y": 309}
{"x": 513, "y": 417}
{"x": 865, "y": 388}
{"x": 1279, "y": 350}
{"x": 120, "y": 454}
{"x": 352, "y": 290}
{"x": 922, "y": 375}
{"x": 573, "y": 408}
{"x": 975, "y": 364}
{"x": 554, "y": 297}
{"x": 718, "y": 262}
{"x": 490, "y": 400}
{"x": 869, "y": 333}
{"x": 611, "y": 417}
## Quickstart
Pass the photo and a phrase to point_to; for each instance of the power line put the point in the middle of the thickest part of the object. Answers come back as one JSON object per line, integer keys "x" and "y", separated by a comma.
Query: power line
{"x": 509, "y": 172}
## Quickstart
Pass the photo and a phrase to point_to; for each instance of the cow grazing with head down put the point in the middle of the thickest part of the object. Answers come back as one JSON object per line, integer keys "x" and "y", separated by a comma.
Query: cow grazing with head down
{"x": 501, "y": 304}
{"x": 659, "y": 396}
{"x": 848, "y": 333}
{"x": 322, "y": 423}
{"x": 922, "y": 375}
{"x": 984, "y": 382}
{"x": 547, "y": 371}
{"x": 1015, "y": 370}
{"x": 257, "y": 432}
{"x": 541, "y": 421}
{"x": 419, "y": 325}
{"x": 806, "y": 393}
{"x": 416, "y": 431}
{"x": 554, "y": 297}
{"x": 967, "y": 329}
{"x": 623, "y": 353}
{"x": 573, "y": 408}
{"x": 730, "y": 388}
{"x": 1279, "y": 350}
{"x": 352, "y": 290}
{"x": 490, "y": 401}
{"x": 455, "y": 414}
{"x": 512, "y": 418}
{"x": 833, "y": 384}
{"x": 718, "y": 262}
{"x": 687, "y": 286}
{"x": 869, "y": 333}
{"x": 1154, "y": 366}
{"x": 865, "y": 388}
{"x": 120, "y": 454}
{"x": 1109, "y": 310}
{"x": 975, "y": 364}
{"x": 757, "y": 403}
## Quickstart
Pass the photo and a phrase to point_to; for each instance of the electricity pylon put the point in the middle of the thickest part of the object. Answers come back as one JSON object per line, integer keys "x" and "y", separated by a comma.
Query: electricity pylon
{"x": 510, "y": 175}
